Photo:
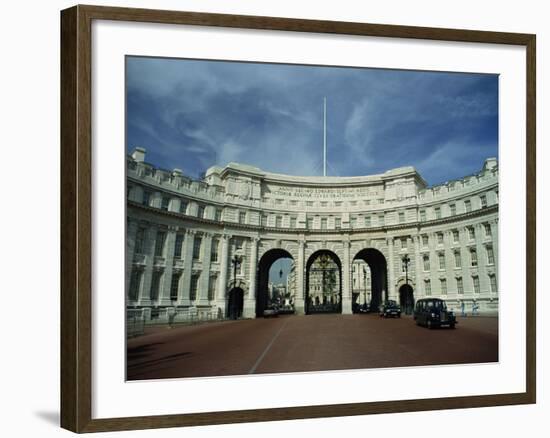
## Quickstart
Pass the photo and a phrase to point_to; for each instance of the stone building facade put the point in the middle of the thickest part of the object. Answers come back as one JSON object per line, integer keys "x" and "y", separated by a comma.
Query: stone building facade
{"x": 184, "y": 237}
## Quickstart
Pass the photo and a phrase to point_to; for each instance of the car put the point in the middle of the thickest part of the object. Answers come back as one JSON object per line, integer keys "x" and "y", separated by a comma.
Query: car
{"x": 390, "y": 308}
{"x": 271, "y": 312}
{"x": 433, "y": 312}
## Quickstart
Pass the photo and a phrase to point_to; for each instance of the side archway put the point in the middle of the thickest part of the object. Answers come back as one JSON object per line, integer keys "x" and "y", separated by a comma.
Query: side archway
{"x": 264, "y": 265}
{"x": 379, "y": 275}
{"x": 406, "y": 299}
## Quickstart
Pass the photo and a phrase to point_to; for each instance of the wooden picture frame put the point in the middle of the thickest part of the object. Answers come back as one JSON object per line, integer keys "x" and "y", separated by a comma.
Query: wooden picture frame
{"x": 76, "y": 217}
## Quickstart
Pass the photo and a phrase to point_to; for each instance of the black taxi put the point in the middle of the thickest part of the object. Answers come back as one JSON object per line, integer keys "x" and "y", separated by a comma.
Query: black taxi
{"x": 433, "y": 312}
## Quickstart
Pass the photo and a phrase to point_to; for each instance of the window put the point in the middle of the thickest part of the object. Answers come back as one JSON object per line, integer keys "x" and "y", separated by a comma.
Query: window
{"x": 428, "y": 287}
{"x": 453, "y": 209}
{"x": 490, "y": 256}
{"x": 422, "y": 215}
{"x": 426, "y": 261}
{"x": 293, "y": 202}
{"x": 324, "y": 223}
{"x": 310, "y": 223}
{"x": 473, "y": 257}
{"x": 493, "y": 282}
{"x": 367, "y": 221}
{"x": 135, "y": 285}
{"x": 458, "y": 259}
{"x": 174, "y": 286}
{"x": 440, "y": 238}
{"x": 242, "y": 217}
{"x": 483, "y": 200}
{"x": 468, "y": 205}
{"x": 146, "y": 198}
{"x": 456, "y": 236}
{"x": 239, "y": 243}
{"x": 140, "y": 236}
{"x": 309, "y": 203}
{"x": 164, "y": 203}
{"x": 353, "y": 222}
{"x": 159, "y": 243}
{"x": 401, "y": 217}
{"x": 214, "y": 250}
{"x": 443, "y": 282}
{"x": 337, "y": 223}
{"x": 278, "y": 221}
{"x": 471, "y": 233}
{"x": 194, "y": 287}
{"x": 212, "y": 288}
{"x": 403, "y": 243}
{"x": 381, "y": 220}
{"x": 441, "y": 261}
{"x": 155, "y": 285}
{"x": 197, "y": 248}
{"x": 218, "y": 214}
{"x": 264, "y": 220}
{"x": 337, "y": 203}
{"x": 200, "y": 211}
{"x": 292, "y": 221}
{"x": 459, "y": 285}
{"x": 425, "y": 240}
{"x": 178, "y": 245}
{"x": 324, "y": 203}
{"x": 475, "y": 280}
{"x": 183, "y": 206}
{"x": 487, "y": 228}
{"x": 438, "y": 212}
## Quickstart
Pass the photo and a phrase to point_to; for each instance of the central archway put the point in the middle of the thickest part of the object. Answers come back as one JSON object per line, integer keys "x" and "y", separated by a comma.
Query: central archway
{"x": 323, "y": 283}
{"x": 264, "y": 295}
{"x": 379, "y": 275}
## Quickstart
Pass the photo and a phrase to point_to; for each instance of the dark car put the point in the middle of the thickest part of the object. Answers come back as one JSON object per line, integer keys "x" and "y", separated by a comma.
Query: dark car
{"x": 433, "y": 312}
{"x": 390, "y": 308}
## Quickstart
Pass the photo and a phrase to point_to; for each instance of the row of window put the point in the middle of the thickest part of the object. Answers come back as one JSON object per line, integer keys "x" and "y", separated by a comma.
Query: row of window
{"x": 160, "y": 245}
{"x": 490, "y": 258}
{"x": 425, "y": 238}
{"x": 460, "y": 285}
{"x": 452, "y": 208}
{"x": 136, "y": 280}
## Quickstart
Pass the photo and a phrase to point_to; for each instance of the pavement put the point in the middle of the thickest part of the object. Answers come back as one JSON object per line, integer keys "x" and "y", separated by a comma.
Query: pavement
{"x": 293, "y": 343}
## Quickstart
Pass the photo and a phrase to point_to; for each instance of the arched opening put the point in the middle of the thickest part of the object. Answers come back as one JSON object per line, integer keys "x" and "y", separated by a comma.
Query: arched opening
{"x": 235, "y": 304}
{"x": 276, "y": 282}
{"x": 378, "y": 276}
{"x": 323, "y": 283}
{"x": 406, "y": 299}
{"x": 361, "y": 295}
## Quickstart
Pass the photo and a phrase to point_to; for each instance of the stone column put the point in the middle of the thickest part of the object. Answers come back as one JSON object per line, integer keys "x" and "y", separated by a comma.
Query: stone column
{"x": 417, "y": 269}
{"x": 391, "y": 272}
{"x": 249, "y": 308}
{"x": 202, "y": 293}
{"x": 299, "y": 300}
{"x": 481, "y": 261}
{"x": 494, "y": 235}
{"x": 185, "y": 282}
{"x": 164, "y": 293}
{"x": 465, "y": 271}
{"x": 131, "y": 233}
{"x": 222, "y": 281}
{"x": 149, "y": 244}
{"x": 346, "y": 287}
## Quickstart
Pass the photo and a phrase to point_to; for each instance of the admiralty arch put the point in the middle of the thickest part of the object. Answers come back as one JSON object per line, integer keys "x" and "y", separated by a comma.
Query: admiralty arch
{"x": 202, "y": 249}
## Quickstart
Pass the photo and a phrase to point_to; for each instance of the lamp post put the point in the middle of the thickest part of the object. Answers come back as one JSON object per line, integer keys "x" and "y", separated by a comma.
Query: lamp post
{"x": 406, "y": 260}
{"x": 236, "y": 261}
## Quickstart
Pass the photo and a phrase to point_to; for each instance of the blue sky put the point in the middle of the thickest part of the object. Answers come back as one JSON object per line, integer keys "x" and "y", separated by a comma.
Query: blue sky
{"x": 192, "y": 114}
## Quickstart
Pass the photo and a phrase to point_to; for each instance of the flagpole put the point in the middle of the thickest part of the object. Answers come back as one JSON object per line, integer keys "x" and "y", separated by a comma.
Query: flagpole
{"x": 324, "y": 136}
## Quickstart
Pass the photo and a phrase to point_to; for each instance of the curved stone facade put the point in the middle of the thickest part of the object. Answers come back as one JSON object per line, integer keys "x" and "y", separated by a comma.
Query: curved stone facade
{"x": 183, "y": 234}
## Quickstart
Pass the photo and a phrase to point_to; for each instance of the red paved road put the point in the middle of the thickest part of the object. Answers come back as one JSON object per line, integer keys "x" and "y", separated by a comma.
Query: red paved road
{"x": 306, "y": 343}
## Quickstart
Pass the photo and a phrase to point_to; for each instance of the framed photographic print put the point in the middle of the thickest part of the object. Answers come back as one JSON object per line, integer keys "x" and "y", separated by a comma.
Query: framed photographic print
{"x": 303, "y": 218}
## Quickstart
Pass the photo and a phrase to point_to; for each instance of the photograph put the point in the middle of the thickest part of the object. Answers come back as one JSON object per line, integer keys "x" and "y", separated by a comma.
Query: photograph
{"x": 291, "y": 218}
